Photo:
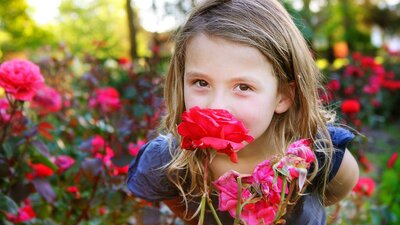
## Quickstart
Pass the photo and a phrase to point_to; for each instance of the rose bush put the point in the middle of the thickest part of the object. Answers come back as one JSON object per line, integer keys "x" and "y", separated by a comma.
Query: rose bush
{"x": 62, "y": 162}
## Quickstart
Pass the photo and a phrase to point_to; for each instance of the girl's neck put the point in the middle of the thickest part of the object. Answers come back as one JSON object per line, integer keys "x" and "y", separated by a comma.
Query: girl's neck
{"x": 248, "y": 158}
{"x": 261, "y": 148}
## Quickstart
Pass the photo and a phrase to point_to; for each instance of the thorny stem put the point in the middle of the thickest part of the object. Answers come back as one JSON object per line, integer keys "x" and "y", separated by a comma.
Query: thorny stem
{"x": 239, "y": 199}
{"x": 202, "y": 209}
{"x": 213, "y": 211}
{"x": 206, "y": 196}
{"x": 284, "y": 184}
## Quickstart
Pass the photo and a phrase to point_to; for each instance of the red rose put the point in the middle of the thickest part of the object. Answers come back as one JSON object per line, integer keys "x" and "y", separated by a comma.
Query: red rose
{"x": 351, "y": 106}
{"x": 212, "y": 128}
{"x": 21, "y": 78}
{"x": 39, "y": 170}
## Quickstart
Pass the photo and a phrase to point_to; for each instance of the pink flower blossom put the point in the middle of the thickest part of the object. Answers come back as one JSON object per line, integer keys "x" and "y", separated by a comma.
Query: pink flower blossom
{"x": 64, "y": 162}
{"x": 301, "y": 148}
{"x": 21, "y": 78}
{"x": 47, "y": 100}
{"x": 101, "y": 150}
{"x": 228, "y": 192}
{"x": 134, "y": 148}
{"x": 24, "y": 214}
{"x": 4, "y": 106}
{"x": 107, "y": 99}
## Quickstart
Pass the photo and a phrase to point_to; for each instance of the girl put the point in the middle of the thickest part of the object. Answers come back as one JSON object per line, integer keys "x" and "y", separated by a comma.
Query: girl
{"x": 248, "y": 57}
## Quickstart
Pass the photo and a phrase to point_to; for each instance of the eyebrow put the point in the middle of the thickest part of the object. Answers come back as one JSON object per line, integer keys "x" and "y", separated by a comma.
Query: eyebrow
{"x": 234, "y": 79}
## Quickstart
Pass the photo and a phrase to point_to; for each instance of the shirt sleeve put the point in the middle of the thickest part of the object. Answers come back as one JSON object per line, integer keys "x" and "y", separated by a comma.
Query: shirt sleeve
{"x": 146, "y": 178}
{"x": 340, "y": 139}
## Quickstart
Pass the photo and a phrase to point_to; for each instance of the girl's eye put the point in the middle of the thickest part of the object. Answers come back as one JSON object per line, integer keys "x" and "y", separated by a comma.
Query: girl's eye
{"x": 244, "y": 87}
{"x": 201, "y": 83}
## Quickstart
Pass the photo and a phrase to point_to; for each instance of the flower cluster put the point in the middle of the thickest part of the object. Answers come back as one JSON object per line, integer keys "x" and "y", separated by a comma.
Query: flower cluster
{"x": 358, "y": 88}
{"x": 24, "y": 214}
{"x": 256, "y": 198}
{"x": 260, "y": 197}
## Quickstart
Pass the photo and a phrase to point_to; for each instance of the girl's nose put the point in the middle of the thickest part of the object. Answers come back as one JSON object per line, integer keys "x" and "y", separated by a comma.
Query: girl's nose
{"x": 219, "y": 101}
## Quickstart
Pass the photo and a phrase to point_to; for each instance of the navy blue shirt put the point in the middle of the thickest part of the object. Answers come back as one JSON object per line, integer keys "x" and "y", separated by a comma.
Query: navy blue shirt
{"x": 148, "y": 180}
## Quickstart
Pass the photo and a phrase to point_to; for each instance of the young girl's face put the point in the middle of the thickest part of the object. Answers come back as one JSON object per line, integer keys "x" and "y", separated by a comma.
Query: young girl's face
{"x": 221, "y": 74}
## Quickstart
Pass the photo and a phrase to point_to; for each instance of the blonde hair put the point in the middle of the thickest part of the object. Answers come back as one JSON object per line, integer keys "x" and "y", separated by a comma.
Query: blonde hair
{"x": 266, "y": 26}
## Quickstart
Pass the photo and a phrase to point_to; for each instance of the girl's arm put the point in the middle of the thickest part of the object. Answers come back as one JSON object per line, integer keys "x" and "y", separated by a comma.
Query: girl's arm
{"x": 344, "y": 181}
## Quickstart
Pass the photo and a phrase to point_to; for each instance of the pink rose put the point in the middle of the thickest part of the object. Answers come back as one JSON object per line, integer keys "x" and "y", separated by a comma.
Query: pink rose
{"x": 64, "y": 162}
{"x": 47, "y": 100}
{"x": 301, "y": 148}
{"x": 228, "y": 192}
{"x": 21, "y": 78}
{"x": 107, "y": 99}
{"x": 213, "y": 128}
{"x": 134, "y": 148}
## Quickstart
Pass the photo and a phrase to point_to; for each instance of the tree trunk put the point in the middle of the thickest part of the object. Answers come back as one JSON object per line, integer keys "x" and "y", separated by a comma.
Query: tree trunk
{"x": 132, "y": 29}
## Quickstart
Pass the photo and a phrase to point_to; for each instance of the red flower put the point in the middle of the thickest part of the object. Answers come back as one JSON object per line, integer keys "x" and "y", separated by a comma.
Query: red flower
{"x": 123, "y": 61}
{"x": 107, "y": 98}
{"x": 392, "y": 160}
{"x": 102, "y": 211}
{"x": 366, "y": 164}
{"x": 216, "y": 129}
{"x": 365, "y": 186}
{"x": 21, "y": 78}
{"x": 74, "y": 191}
{"x": 47, "y": 100}
{"x": 333, "y": 85}
{"x": 39, "y": 170}
{"x": 351, "y": 106}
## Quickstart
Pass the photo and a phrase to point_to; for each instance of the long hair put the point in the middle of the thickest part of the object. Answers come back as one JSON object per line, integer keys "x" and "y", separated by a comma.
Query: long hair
{"x": 266, "y": 26}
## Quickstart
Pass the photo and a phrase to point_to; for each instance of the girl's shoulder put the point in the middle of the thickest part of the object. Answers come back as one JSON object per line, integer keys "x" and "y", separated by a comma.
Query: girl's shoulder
{"x": 340, "y": 137}
{"x": 147, "y": 177}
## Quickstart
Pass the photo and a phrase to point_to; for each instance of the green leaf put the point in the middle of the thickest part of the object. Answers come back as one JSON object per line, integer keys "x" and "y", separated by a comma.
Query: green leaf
{"x": 7, "y": 204}
{"x": 38, "y": 157}
{"x": 7, "y": 150}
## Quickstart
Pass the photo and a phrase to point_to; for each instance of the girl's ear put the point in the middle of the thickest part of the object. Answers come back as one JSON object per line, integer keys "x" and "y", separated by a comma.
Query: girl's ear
{"x": 285, "y": 100}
